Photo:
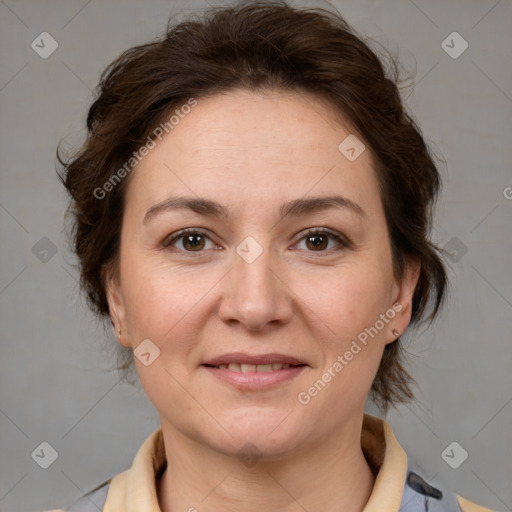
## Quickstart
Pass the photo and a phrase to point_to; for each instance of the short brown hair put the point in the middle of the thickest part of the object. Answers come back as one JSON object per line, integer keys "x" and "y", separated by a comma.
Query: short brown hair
{"x": 258, "y": 46}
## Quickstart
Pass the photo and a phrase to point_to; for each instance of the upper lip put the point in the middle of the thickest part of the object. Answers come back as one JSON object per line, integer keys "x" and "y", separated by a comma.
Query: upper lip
{"x": 243, "y": 358}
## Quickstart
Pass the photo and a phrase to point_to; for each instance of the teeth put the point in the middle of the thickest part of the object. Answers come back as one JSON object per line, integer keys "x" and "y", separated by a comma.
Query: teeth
{"x": 264, "y": 368}
{"x": 251, "y": 368}
{"x": 246, "y": 368}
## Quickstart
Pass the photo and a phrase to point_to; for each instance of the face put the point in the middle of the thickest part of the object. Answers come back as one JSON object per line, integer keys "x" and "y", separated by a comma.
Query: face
{"x": 273, "y": 273}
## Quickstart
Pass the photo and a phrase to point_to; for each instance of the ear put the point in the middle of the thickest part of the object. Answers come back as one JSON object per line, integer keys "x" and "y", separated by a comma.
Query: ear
{"x": 113, "y": 291}
{"x": 402, "y": 294}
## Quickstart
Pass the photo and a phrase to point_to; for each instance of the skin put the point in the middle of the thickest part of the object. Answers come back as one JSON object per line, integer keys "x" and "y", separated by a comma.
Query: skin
{"x": 252, "y": 151}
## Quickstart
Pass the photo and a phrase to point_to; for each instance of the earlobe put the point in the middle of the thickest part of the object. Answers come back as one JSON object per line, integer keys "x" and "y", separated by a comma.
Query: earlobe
{"x": 116, "y": 306}
{"x": 404, "y": 291}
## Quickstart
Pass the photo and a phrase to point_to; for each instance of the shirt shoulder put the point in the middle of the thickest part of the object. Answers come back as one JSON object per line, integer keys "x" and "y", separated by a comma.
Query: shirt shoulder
{"x": 469, "y": 506}
{"x": 400, "y": 483}
{"x": 421, "y": 496}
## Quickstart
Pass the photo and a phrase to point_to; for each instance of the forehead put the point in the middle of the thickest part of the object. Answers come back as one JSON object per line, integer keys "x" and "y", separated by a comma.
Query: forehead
{"x": 242, "y": 145}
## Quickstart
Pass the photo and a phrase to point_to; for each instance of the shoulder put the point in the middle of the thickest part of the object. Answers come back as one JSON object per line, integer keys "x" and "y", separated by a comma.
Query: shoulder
{"x": 469, "y": 506}
{"x": 420, "y": 496}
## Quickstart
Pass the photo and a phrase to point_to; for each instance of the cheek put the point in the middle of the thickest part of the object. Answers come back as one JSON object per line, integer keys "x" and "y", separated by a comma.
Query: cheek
{"x": 348, "y": 299}
{"x": 162, "y": 301}
{"x": 350, "y": 305}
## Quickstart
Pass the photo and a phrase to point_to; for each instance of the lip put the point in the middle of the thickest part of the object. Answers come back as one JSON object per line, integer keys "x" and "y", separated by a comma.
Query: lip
{"x": 255, "y": 380}
{"x": 243, "y": 358}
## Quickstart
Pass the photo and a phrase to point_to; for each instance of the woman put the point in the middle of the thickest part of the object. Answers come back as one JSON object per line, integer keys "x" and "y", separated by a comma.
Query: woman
{"x": 252, "y": 210}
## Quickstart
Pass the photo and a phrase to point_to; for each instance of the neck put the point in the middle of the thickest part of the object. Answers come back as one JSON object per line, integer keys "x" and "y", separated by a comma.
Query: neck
{"x": 328, "y": 477}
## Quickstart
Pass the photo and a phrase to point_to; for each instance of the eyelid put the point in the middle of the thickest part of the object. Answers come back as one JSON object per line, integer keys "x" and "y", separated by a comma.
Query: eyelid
{"x": 342, "y": 240}
{"x": 168, "y": 241}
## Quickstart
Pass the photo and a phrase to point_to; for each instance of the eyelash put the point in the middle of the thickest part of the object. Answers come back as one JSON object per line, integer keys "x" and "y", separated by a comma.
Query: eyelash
{"x": 343, "y": 242}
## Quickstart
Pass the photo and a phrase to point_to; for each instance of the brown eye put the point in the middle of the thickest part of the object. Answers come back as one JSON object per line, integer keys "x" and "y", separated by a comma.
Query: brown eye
{"x": 191, "y": 240}
{"x": 318, "y": 241}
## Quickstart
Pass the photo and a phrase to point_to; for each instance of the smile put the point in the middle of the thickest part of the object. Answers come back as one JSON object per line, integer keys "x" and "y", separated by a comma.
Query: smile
{"x": 254, "y": 377}
{"x": 251, "y": 368}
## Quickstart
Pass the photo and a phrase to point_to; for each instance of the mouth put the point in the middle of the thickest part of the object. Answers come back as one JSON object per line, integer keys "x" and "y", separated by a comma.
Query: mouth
{"x": 246, "y": 363}
{"x": 254, "y": 372}
{"x": 251, "y": 368}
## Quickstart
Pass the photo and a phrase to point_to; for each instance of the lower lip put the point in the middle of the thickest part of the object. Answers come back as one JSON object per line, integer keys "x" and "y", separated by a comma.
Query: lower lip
{"x": 255, "y": 380}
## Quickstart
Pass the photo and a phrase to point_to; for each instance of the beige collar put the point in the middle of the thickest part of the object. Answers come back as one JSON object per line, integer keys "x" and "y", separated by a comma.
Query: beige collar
{"x": 135, "y": 489}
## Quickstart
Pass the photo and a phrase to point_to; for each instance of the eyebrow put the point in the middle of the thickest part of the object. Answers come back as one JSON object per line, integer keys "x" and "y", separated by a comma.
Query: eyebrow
{"x": 296, "y": 207}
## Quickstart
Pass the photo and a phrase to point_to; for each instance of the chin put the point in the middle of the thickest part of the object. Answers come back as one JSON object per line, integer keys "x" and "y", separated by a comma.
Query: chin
{"x": 270, "y": 431}
{"x": 254, "y": 446}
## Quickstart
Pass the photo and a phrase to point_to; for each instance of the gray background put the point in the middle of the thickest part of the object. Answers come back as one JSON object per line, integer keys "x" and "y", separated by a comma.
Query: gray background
{"x": 56, "y": 382}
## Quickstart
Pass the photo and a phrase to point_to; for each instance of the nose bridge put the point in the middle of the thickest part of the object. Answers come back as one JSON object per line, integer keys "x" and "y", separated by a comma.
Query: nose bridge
{"x": 255, "y": 296}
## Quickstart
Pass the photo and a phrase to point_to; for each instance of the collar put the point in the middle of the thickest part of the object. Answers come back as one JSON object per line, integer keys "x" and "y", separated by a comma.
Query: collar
{"x": 135, "y": 489}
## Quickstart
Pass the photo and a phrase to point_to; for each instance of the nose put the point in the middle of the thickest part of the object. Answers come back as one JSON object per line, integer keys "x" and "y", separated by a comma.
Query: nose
{"x": 256, "y": 294}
